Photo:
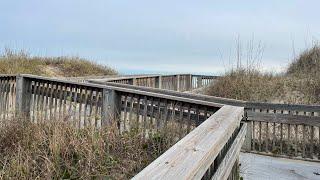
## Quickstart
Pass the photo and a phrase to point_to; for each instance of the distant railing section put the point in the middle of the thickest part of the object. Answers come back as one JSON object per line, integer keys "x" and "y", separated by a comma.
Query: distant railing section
{"x": 178, "y": 82}
{"x": 7, "y": 96}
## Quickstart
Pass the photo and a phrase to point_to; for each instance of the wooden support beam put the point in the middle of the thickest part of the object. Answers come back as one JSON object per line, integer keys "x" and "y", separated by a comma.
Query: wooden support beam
{"x": 178, "y": 83}
{"x": 23, "y": 96}
{"x": 110, "y": 111}
{"x": 158, "y": 82}
{"x": 199, "y": 81}
{"x": 247, "y": 145}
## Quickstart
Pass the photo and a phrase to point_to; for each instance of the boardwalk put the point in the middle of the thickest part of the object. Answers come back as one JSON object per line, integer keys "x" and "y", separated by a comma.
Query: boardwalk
{"x": 157, "y": 102}
{"x": 258, "y": 167}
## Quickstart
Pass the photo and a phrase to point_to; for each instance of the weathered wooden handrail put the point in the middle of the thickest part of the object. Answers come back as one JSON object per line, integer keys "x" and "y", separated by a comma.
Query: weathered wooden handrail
{"x": 177, "y": 82}
{"x": 196, "y": 153}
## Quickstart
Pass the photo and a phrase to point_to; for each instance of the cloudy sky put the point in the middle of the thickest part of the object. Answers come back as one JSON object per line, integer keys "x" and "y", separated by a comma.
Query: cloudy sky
{"x": 161, "y": 36}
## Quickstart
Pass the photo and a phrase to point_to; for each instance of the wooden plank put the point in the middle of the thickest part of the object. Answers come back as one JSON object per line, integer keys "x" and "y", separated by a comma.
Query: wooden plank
{"x": 96, "y": 108}
{"x": 46, "y": 106}
{"x": 284, "y": 118}
{"x": 103, "y": 112}
{"x": 144, "y": 116}
{"x": 180, "y": 121}
{"x": 189, "y": 119}
{"x": 2, "y": 102}
{"x": 64, "y": 104}
{"x": 281, "y": 138}
{"x": 151, "y": 118}
{"x": 159, "y": 115}
{"x": 125, "y": 112}
{"x": 82, "y": 91}
{"x": 131, "y": 110}
{"x": 193, "y": 155}
{"x": 138, "y": 113}
{"x": 225, "y": 167}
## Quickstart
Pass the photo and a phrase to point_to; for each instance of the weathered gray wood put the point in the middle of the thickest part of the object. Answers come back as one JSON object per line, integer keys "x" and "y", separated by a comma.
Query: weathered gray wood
{"x": 178, "y": 83}
{"x": 284, "y": 118}
{"x": 110, "y": 106}
{"x": 225, "y": 167}
{"x": 199, "y": 81}
{"x": 22, "y": 97}
{"x": 247, "y": 145}
{"x": 193, "y": 155}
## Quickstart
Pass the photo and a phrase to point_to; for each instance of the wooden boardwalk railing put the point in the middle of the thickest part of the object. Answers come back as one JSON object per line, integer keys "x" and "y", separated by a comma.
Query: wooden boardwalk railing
{"x": 177, "y": 82}
{"x": 285, "y": 130}
{"x": 154, "y": 102}
{"x": 47, "y": 99}
{"x": 208, "y": 152}
{"x": 7, "y": 96}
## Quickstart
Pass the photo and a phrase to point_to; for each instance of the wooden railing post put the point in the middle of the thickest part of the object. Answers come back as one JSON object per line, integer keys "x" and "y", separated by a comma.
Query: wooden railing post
{"x": 189, "y": 82}
{"x": 23, "y": 97}
{"x": 199, "y": 81}
{"x": 178, "y": 83}
{"x": 134, "y": 81}
{"x": 110, "y": 111}
{"x": 158, "y": 82}
{"x": 247, "y": 145}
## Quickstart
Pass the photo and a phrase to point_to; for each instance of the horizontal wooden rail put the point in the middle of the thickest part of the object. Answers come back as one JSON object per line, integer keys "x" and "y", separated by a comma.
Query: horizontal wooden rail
{"x": 177, "y": 82}
{"x": 193, "y": 155}
{"x": 224, "y": 169}
{"x": 284, "y": 118}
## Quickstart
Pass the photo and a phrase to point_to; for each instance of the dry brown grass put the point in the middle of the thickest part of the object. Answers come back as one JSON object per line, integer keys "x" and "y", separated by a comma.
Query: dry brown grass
{"x": 12, "y": 62}
{"x": 247, "y": 85}
{"x": 299, "y": 85}
{"x": 57, "y": 150}
{"x": 307, "y": 64}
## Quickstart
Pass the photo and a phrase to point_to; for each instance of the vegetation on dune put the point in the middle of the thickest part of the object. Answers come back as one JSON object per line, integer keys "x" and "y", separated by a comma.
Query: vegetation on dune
{"x": 58, "y": 150}
{"x": 12, "y": 62}
{"x": 307, "y": 64}
{"x": 299, "y": 85}
{"x": 247, "y": 85}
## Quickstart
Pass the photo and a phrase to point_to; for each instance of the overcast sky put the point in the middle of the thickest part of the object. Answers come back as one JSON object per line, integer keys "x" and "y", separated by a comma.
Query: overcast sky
{"x": 160, "y": 36}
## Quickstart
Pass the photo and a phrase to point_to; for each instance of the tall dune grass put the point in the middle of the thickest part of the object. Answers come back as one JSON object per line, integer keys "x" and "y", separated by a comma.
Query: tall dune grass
{"x": 300, "y": 84}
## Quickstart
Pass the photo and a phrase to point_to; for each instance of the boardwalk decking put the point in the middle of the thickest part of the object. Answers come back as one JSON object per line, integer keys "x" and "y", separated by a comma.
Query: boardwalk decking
{"x": 259, "y": 167}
